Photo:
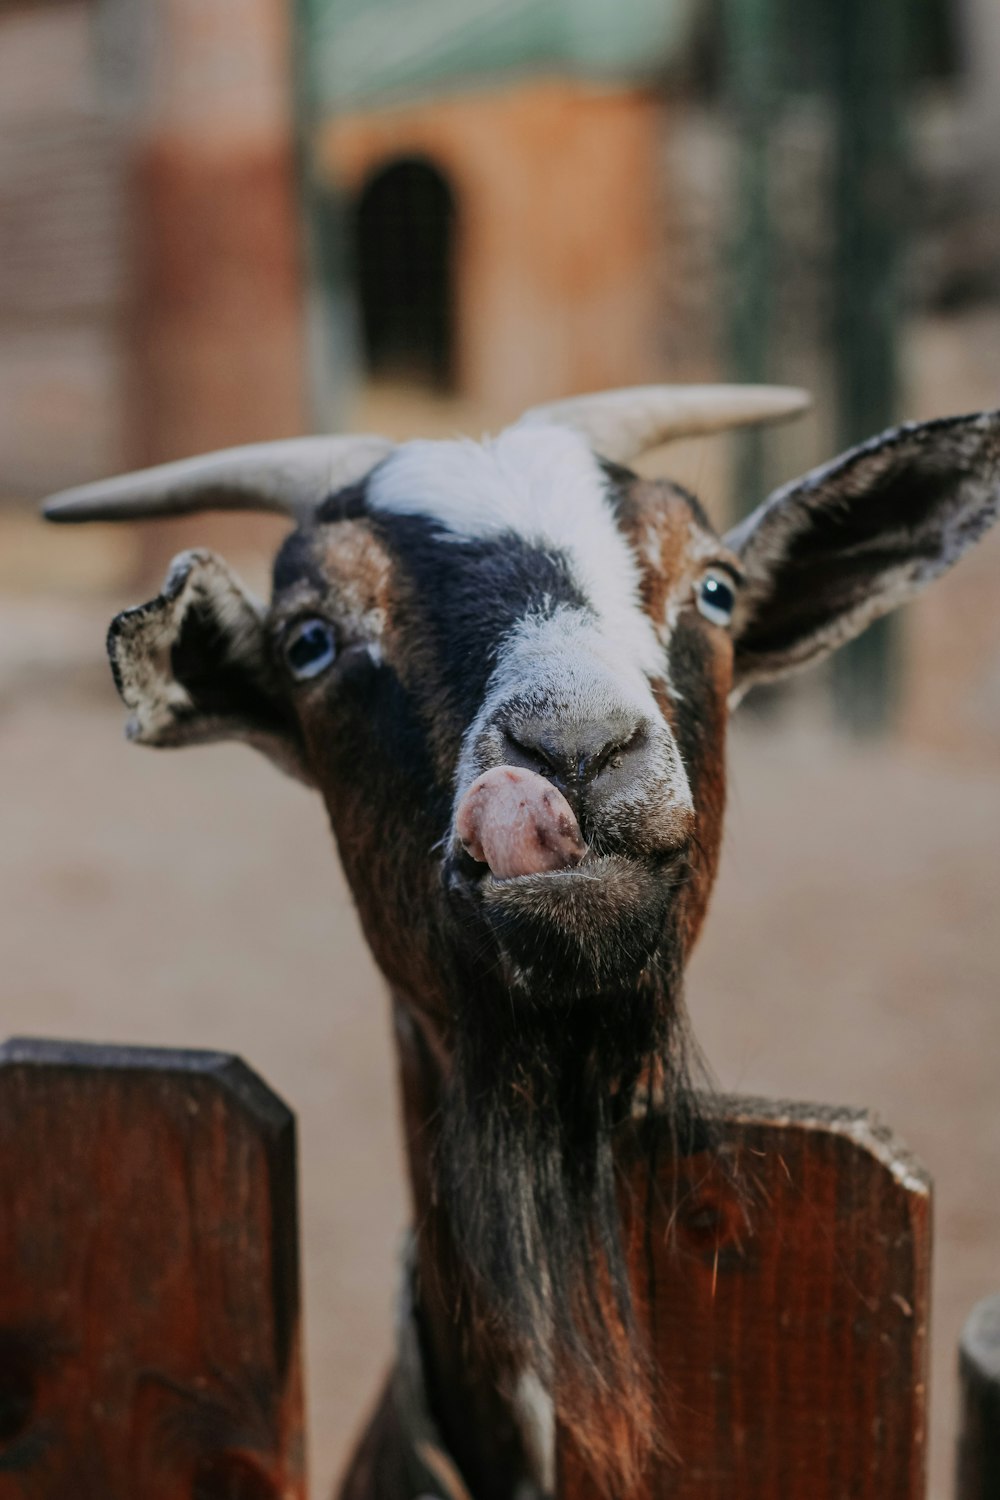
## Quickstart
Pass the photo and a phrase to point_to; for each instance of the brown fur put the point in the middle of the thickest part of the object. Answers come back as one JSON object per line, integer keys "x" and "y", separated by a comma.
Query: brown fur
{"x": 615, "y": 1428}
{"x": 674, "y": 544}
{"x": 533, "y": 1017}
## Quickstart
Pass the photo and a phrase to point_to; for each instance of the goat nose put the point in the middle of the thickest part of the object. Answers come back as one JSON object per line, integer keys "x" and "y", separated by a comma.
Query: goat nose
{"x": 573, "y": 754}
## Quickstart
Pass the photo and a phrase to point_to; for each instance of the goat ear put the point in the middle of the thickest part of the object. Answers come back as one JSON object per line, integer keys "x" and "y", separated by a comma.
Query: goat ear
{"x": 193, "y": 666}
{"x": 827, "y": 554}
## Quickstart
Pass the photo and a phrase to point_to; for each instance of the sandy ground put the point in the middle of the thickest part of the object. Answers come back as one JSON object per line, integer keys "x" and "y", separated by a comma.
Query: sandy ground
{"x": 853, "y": 955}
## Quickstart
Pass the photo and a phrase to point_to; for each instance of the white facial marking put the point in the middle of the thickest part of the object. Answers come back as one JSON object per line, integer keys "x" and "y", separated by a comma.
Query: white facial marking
{"x": 568, "y": 660}
{"x": 545, "y": 485}
{"x": 589, "y": 664}
{"x": 535, "y": 1415}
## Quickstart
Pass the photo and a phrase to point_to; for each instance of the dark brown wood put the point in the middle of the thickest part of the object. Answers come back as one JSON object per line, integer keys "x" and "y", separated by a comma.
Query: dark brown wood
{"x": 149, "y": 1328}
{"x": 978, "y": 1476}
{"x": 789, "y": 1313}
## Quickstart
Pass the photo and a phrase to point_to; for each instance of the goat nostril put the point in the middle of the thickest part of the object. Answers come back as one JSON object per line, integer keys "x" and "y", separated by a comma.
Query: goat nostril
{"x": 586, "y": 755}
{"x": 635, "y": 741}
{"x": 533, "y": 756}
{"x": 609, "y": 757}
{"x": 601, "y": 760}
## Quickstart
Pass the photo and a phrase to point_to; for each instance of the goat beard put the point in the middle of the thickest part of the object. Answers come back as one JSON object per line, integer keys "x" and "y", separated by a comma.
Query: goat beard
{"x": 527, "y": 1169}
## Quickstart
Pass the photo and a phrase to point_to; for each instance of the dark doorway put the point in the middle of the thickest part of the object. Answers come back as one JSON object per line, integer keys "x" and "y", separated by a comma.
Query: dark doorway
{"x": 405, "y": 245}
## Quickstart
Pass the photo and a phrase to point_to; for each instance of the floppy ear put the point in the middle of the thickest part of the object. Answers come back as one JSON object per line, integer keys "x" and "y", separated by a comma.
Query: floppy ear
{"x": 193, "y": 665}
{"x": 827, "y": 554}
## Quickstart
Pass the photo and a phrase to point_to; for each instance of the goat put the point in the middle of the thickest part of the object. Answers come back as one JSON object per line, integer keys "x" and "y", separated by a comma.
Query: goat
{"x": 507, "y": 667}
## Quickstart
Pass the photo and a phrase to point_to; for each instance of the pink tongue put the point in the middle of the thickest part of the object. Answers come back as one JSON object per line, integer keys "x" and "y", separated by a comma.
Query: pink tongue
{"x": 518, "y": 824}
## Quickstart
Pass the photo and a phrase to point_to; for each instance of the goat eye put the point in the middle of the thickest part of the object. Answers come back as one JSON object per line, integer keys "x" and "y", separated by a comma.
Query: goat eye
{"x": 310, "y": 647}
{"x": 716, "y": 598}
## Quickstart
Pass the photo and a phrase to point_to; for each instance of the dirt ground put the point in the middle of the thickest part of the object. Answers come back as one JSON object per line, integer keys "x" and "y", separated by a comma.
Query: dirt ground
{"x": 852, "y": 955}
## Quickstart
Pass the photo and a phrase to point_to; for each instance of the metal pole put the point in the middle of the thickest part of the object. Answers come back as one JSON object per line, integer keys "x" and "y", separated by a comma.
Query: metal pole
{"x": 978, "y": 1466}
{"x": 868, "y": 66}
{"x": 751, "y": 37}
{"x": 331, "y": 341}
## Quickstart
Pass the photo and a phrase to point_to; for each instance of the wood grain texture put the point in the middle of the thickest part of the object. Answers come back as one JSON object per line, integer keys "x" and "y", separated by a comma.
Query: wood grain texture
{"x": 785, "y": 1287}
{"x": 149, "y": 1333}
{"x": 978, "y": 1468}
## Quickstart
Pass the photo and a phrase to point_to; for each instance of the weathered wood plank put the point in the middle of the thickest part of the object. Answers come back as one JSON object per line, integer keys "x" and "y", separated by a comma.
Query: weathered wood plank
{"x": 149, "y": 1332}
{"x": 978, "y": 1476}
{"x": 789, "y": 1320}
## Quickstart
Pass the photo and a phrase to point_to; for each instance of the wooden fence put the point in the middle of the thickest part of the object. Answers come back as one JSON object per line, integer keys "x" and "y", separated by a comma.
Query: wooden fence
{"x": 149, "y": 1305}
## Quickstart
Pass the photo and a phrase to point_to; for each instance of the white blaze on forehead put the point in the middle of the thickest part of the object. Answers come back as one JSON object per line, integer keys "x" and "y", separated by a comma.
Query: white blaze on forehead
{"x": 545, "y": 485}
{"x": 587, "y": 665}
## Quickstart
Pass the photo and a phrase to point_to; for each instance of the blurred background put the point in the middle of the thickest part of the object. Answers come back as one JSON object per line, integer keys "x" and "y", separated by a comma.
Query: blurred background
{"x": 225, "y": 220}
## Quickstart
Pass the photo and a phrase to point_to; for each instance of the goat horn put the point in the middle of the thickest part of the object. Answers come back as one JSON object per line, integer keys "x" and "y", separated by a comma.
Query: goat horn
{"x": 619, "y": 425}
{"x": 292, "y": 477}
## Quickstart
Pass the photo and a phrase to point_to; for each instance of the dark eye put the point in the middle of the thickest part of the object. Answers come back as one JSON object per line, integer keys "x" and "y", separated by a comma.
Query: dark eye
{"x": 310, "y": 647}
{"x": 716, "y": 597}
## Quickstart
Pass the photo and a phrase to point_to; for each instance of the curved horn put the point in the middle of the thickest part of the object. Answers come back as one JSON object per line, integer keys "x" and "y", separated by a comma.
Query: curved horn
{"x": 292, "y": 477}
{"x": 620, "y": 425}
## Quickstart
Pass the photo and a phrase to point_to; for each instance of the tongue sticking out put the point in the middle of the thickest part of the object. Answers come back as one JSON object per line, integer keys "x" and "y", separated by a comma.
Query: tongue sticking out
{"x": 518, "y": 824}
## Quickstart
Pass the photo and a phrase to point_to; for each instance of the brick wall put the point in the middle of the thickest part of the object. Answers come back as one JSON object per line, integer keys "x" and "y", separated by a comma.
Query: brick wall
{"x": 63, "y": 253}
{"x": 150, "y": 279}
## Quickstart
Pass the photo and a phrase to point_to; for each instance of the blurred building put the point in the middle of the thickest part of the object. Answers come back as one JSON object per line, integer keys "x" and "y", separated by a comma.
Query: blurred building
{"x": 508, "y": 204}
{"x": 494, "y": 166}
{"x": 499, "y": 168}
{"x": 505, "y": 200}
{"x": 150, "y": 296}
{"x": 63, "y": 271}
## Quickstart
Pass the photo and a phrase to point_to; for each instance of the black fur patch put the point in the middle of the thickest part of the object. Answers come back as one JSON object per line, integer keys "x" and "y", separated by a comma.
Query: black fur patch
{"x": 620, "y": 480}
{"x": 219, "y": 683}
{"x": 296, "y": 560}
{"x": 470, "y": 595}
{"x": 348, "y": 504}
{"x": 697, "y": 728}
{"x": 375, "y": 723}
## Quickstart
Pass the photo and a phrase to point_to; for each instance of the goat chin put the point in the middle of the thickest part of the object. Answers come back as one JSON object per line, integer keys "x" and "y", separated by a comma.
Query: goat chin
{"x": 587, "y": 931}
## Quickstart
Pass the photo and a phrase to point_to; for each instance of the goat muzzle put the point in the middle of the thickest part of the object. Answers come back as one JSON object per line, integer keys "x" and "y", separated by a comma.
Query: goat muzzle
{"x": 518, "y": 823}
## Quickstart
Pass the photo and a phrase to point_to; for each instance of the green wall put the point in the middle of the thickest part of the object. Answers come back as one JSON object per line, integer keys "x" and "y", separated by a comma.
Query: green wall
{"x": 364, "y": 53}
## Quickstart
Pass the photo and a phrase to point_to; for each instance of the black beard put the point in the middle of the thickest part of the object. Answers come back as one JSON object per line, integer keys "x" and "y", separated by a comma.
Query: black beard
{"x": 527, "y": 1170}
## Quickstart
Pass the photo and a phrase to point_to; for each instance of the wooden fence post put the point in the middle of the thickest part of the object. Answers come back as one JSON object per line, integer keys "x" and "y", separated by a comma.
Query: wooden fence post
{"x": 149, "y": 1334}
{"x": 149, "y": 1312}
{"x": 787, "y": 1315}
{"x": 978, "y": 1475}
